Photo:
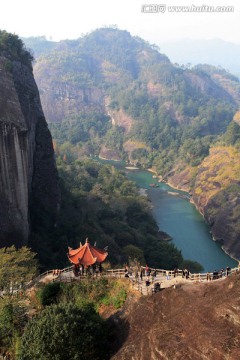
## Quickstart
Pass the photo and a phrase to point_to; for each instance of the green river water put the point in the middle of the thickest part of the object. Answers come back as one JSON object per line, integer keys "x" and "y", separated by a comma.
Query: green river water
{"x": 180, "y": 219}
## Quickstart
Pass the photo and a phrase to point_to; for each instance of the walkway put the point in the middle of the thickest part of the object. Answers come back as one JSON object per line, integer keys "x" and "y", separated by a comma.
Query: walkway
{"x": 165, "y": 278}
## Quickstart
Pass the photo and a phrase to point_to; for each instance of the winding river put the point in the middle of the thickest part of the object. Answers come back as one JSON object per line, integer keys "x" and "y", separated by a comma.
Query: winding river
{"x": 180, "y": 219}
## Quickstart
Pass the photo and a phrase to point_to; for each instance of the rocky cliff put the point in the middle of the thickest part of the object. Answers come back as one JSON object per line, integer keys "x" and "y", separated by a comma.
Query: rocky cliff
{"x": 192, "y": 322}
{"x": 215, "y": 189}
{"x": 216, "y": 195}
{"x": 28, "y": 176}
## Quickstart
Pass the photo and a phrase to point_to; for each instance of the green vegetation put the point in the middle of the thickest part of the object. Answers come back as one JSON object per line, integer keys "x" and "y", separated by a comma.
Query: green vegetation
{"x": 88, "y": 127}
{"x": 53, "y": 318}
{"x": 66, "y": 319}
{"x": 40, "y": 44}
{"x": 65, "y": 330}
{"x": 177, "y": 113}
{"x": 192, "y": 266}
{"x": 13, "y": 48}
{"x": 48, "y": 294}
{"x": 13, "y": 318}
{"x": 100, "y": 203}
{"x": 219, "y": 170}
{"x": 99, "y": 291}
{"x": 232, "y": 135}
{"x": 16, "y": 265}
{"x": 16, "y": 268}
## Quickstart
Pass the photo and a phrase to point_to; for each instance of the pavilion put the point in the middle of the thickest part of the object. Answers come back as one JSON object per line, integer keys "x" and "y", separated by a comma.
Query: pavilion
{"x": 87, "y": 255}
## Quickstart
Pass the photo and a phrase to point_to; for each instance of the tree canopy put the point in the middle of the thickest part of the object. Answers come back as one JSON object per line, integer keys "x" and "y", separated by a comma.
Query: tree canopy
{"x": 13, "y": 47}
{"x": 16, "y": 266}
{"x": 65, "y": 331}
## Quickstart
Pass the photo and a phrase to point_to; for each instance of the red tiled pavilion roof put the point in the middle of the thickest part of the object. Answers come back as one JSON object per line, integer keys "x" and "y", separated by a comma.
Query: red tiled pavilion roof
{"x": 87, "y": 254}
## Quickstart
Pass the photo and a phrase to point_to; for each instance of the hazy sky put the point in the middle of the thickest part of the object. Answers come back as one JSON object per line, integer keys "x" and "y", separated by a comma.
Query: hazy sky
{"x": 71, "y": 18}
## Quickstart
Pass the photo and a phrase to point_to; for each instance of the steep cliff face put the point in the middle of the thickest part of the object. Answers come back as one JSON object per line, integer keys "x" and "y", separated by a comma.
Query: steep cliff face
{"x": 28, "y": 176}
{"x": 61, "y": 101}
{"x": 216, "y": 195}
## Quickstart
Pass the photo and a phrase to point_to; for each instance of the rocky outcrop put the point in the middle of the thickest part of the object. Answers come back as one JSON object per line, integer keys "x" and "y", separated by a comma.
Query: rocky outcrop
{"x": 109, "y": 154}
{"x": 203, "y": 83}
{"x": 181, "y": 177}
{"x": 199, "y": 322}
{"x": 62, "y": 99}
{"x": 120, "y": 118}
{"x": 215, "y": 189}
{"x": 216, "y": 194}
{"x": 28, "y": 176}
{"x": 222, "y": 213}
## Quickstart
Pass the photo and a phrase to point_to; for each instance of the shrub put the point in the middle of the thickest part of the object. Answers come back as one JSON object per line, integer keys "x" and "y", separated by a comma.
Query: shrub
{"x": 63, "y": 332}
{"x": 48, "y": 294}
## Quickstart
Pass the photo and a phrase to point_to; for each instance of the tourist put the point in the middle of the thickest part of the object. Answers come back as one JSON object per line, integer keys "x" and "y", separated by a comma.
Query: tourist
{"x": 167, "y": 275}
{"x": 154, "y": 274}
{"x": 228, "y": 269}
{"x": 156, "y": 288}
{"x": 141, "y": 274}
{"x": 136, "y": 275}
{"x": 147, "y": 270}
{"x": 148, "y": 282}
{"x": 186, "y": 272}
{"x": 126, "y": 271}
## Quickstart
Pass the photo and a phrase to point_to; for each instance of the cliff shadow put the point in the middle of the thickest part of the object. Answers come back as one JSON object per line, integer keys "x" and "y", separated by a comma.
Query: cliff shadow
{"x": 118, "y": 328}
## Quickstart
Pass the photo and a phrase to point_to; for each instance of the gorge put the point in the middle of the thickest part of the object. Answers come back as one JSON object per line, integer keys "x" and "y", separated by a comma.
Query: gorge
{"x": 178, "y": 217}
{"x": 114, "y": 95}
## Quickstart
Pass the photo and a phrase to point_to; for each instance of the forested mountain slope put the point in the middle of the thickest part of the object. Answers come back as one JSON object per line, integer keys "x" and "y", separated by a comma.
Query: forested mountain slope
{"x": 111, "y": 85}
{"x": 117, "y": 96}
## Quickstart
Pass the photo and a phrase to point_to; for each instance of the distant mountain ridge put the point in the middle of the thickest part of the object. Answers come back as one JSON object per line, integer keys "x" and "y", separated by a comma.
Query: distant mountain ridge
{"x": 215, "y": 52}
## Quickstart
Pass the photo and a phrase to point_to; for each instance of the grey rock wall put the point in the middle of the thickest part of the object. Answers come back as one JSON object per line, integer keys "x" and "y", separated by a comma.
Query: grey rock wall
{"x": 28, "y": 175}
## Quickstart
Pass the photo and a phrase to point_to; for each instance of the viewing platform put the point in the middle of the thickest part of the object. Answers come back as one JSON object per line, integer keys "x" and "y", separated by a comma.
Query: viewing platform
{"x": 145, "y": 285}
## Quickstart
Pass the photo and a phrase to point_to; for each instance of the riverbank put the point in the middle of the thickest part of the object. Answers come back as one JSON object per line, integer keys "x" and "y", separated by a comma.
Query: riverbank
{"x": 190, "y": 233}
{"x": 181, "y": 220}
{"x": 160, "y": 179}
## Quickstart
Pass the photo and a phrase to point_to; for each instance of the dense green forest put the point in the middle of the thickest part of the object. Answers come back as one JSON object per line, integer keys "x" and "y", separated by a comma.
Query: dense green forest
{"x": 175, "y": 113}
{"x": 100, "y": 203}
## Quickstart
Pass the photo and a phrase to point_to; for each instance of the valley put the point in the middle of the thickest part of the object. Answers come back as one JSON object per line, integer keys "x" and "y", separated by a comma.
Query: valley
{"x": 116, "y": 96}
